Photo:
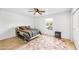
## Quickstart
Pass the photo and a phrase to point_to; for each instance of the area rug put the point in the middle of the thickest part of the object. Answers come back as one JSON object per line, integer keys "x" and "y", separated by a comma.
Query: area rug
{"x": 44, "y": 42}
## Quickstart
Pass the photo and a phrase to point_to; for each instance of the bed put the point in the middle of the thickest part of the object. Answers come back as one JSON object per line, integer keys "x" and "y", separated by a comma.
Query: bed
{"x": 27, "y": 33}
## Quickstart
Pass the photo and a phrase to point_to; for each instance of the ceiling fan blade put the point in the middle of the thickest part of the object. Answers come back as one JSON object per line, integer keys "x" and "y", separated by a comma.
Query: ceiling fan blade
{"x": 41, "y": 11}
{"x": 35, "y": 8}
{"x": 34, "y": 13}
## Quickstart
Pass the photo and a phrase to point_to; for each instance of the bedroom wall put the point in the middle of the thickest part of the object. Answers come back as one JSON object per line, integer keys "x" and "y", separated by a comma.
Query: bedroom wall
{"x": 61, "y": 22}
{"x": 75, "y": 25}
{"x": 10, "y": 20}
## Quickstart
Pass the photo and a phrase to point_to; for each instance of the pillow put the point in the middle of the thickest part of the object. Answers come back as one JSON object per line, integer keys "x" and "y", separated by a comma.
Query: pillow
{"x": 28, "y": 27}
{"x": 22, "y": 28}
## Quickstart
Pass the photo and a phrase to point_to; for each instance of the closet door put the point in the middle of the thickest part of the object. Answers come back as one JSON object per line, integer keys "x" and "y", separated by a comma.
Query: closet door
{"x": 76, "y": 28}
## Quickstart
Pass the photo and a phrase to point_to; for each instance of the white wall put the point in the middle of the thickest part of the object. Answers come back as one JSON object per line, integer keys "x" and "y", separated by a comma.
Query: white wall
{"x": 61, "y": 23}
{"x": 10, "y": 20}
{"x": 76, "y": 28}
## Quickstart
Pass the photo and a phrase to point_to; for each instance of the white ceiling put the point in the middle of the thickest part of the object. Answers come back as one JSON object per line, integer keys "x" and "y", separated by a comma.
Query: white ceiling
{"x": 24, "y": 11}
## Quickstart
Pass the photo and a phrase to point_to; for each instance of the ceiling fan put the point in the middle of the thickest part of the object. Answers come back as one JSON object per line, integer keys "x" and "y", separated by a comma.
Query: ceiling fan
{"x": 37, "y": 10}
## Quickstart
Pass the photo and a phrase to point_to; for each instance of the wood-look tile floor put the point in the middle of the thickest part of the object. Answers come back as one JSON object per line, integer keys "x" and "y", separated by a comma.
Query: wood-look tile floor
{"x": 11, "y": 43}
{"x": 70, "y": 44}
{"x": 15, "y": 42}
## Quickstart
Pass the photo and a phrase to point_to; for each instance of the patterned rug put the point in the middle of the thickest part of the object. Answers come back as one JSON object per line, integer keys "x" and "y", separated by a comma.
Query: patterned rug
{"x": 44, "y": 42}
